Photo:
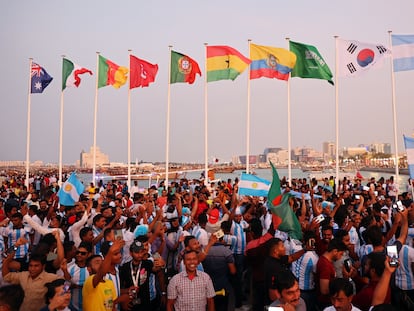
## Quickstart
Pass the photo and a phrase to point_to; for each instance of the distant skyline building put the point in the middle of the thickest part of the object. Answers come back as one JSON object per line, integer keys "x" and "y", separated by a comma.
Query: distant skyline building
{"x": 380, "y": 148}
{"x": 86, "y": 158}
{"x": 329, "y": 150}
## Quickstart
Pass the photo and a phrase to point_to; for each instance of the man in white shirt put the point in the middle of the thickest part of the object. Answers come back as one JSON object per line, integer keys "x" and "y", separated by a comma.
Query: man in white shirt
{"x": 341, "y": 292}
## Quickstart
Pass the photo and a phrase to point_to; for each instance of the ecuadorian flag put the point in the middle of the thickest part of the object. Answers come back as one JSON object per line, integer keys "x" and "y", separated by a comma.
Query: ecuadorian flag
{"x": 271, "y": 62}
{"x": 69, "y": 192}
{"x": 253, "y": 185}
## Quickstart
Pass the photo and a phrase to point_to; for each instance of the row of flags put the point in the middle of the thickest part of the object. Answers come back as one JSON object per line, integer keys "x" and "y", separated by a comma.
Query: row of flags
{"x": 226, "y": 63}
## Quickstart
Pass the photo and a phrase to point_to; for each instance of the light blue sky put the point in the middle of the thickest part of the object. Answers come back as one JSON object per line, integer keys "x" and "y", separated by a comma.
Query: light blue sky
{"x": 47, "y": 29}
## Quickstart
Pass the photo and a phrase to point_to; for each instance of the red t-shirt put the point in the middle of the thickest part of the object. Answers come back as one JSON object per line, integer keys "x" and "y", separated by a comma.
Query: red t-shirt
{"x": 363, "y": 298}
{"x": 324, "y": 270}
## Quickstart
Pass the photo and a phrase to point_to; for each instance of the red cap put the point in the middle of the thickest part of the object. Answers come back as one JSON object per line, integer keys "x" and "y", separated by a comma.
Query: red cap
{"x": 214, "y": 216}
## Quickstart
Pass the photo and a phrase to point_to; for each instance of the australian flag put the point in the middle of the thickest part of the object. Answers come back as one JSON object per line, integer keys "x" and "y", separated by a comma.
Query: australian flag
{"x": 40, "y": 79}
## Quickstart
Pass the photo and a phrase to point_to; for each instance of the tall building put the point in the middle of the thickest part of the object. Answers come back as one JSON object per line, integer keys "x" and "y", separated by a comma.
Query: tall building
{"x": 86, "y": 158}
{"x": 329, "y": 149}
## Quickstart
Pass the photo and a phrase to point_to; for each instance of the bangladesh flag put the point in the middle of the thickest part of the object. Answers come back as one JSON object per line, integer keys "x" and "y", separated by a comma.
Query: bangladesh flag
{"x": 183, "y": 68}
{"x": 283, "y": 216}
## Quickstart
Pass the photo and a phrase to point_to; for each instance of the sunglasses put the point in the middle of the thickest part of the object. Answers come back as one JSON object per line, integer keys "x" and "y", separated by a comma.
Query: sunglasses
{"x": 81, "y": 253}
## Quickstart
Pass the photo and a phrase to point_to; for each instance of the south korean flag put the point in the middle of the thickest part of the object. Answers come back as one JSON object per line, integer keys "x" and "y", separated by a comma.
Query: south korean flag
{"x": 356, "y": 57}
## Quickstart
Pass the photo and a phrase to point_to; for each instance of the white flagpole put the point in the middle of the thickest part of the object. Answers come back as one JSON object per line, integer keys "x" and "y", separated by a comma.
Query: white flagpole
{"x": 94, "y": 120}
{"x": 248, "y": 116}
{"x": 129, "y": 125}
{"x": 205, "y": 121}
{"x": 28, "y": 125}
{"x": 394, "y": 112}
{"x": 167, "y": 138}
{"x": 336, "y": 117}
{"x": 61, "y": 136}
{"x": 289, "y": 130}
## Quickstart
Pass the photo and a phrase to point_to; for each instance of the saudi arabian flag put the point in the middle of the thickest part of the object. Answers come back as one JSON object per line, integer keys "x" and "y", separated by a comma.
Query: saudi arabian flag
{"x": 71, "y": 72}
{"x": 70, "y": 191}
{"x": 309, "y": 63}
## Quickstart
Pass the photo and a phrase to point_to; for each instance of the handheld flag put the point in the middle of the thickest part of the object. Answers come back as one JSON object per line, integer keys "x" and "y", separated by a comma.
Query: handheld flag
{"x": 225, "y": 63}
{"x": 274, "y": 195}
{"x": 253, "y": 185}
{"x": 309, "y": 63}
{"x": 71, "y": 189}
{"x": 71, "y": 73}
{"x": 40, "y": 79}
{"x": 283, "y": 215}
{"x": 142, "y": 72}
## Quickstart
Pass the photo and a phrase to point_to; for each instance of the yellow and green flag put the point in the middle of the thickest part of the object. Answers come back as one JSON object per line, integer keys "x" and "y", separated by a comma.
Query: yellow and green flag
{"x": 224, "y": 63}
{"x": 111, "y": 74}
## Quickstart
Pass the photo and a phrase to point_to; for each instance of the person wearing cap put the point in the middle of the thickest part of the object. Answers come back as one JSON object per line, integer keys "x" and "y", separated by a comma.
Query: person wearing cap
{"x": 135, "y": 275}
{"x": 214, "y": 220}
{"x": 191, "y": 289}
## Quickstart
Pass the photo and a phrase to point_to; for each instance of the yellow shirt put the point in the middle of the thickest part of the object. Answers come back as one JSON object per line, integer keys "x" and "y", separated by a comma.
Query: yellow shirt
{"x": 100, "y": 298}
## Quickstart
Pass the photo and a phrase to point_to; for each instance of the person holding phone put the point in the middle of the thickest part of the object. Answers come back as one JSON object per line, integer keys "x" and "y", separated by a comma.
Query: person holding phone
{"x": 373, "y": 269}
{"x": 57, "y": 296}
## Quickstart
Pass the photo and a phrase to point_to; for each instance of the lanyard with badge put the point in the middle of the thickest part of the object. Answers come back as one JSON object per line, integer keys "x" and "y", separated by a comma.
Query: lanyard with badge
{"x": 135, "y": 280}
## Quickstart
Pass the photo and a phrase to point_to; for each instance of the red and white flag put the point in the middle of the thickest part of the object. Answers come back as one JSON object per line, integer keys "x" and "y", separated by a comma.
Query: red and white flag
{"x": 142, "y": 73}
{"x": 71, "y": 73}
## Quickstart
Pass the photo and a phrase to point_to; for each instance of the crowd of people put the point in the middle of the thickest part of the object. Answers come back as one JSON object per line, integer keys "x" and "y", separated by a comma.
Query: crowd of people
{"x": 195, "y": 246}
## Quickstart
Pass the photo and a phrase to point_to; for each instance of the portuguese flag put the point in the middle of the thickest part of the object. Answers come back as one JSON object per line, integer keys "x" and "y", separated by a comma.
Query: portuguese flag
{"x": 225, "y": 63}
{"x": 111, "y": 74}
{"x": 183, "y": 68}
